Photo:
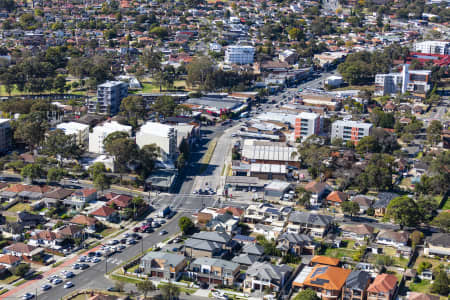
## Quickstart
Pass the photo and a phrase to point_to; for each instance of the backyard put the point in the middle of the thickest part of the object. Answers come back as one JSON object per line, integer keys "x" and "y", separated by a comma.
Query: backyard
{"x": 347, "y": 250}
{"x": 20, "y": 207}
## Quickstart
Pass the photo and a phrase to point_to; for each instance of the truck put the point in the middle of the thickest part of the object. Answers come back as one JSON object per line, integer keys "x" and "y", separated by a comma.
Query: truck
{"x": 164, "y": 211}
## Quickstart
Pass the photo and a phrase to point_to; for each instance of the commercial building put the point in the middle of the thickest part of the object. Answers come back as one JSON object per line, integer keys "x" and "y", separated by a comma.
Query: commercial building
{"x": 307, "y": 124}
{"x": 164, "y": 136}
{"x": 5, "y": 135}
{"x": 109, "y": 98}
{"x": 263, "y": 152}
{"x": 433, "y": 47}
{"x": 100, "y": 132}
{"x": 350, "y": 130}
{"x": 240, "y": 55}
{"x": 414, "y": 81}
{"x": 79, "y": 131}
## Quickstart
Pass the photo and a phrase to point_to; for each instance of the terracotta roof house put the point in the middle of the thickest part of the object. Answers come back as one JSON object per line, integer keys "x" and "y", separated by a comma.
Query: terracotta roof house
{"x": 324, "y": 260}
{"x": 59, "y": 194}
{"x": 357, "y": 232}
{"x": 22, "y": 249}
{"x": 438, "y": 244}
{"x": 9, "y": 260}
{"x": 356, "y": 285}
{"x": 85, "y": 195}
{"x": 236, "y": 211}
{"x": 45, "y": 238}
{"x": 422, "y": 296}
{"x": 318, "y": 191}
{"x": 105, "y": 213}
{"x": 327, "y": 281}
{"x": 84, "y": 220}
{"x": 383, "y": 287}
{"x": 363, "y": 201}
{"x": 70, "y": 231}
{"x": 336, "y": 198}
{"x": 120, "y": 201}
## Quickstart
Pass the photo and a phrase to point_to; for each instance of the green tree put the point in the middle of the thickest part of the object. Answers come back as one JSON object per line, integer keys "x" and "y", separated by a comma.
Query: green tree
{"x": 55, "y": 174}
{"x": 133, "y": 108}
{"x": 199, "y": 70}
{"x": 57, "y": 143}
{"x": 30, "y": 129}
{"x": 307, "y": 294}
{"x": 32, "y": 171}
{"x": 101, "y": 182}
{"x": 442, "y": 221}
{"x": 151, "y": 60}
{"x": 441, "y": 284}
{"x": 169, "y": 291}
{"x": 350, "y": 207}
{"x": 60, "y": 83}
{"x": 165, "y": 106}
{"x": 21, "y": 270}
{"x": 378, "y": 173}
{"x": 434, "y": 131}
{"x": 186, "y": 225}
{"x": 145, "y": 287}
{"x": 367, "y": 144}
{"x": 404, "y": 211}
{"x": 147, "y": 158}
{"x": 296, "y": 34}
{"x": 427, "y": 206}
{"x": 96, "y": 169}
{"x": 416, "y": 237}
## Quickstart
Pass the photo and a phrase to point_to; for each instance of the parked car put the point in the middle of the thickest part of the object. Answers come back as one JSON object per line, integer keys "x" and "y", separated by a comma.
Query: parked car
{"x": 69, "y": 275}
{"x": 131, "y": 242}
{"x": 96, "y": 260}
{"x": 82, "y": 258}
{"x": 112, "y": 289}
{"x": 28, "y": 296}
{"x": 46, "y": 287}
{"x": 68, "y": 285}
{"x": 76, "y": 266}
{"x": 135, "y": 229}
{"x": 84, "y": 266}
{"x": 163, "y": 232}
{"x": 57, "y": 281}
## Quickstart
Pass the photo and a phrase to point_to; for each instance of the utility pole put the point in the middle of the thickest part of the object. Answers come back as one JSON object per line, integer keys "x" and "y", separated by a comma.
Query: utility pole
{"x": 106, "y": 264}
{"x": 142, "y": 245}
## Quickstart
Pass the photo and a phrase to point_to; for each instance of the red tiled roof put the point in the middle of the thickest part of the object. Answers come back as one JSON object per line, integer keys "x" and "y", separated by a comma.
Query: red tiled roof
{"x": 383, "y": 283}
{"x": 337, "y": 196}
{"x": 83, "y": 220}
{"x": 325, "y": 260}
{"x": 9, "y": 259}
{"x": 103, "y": 211}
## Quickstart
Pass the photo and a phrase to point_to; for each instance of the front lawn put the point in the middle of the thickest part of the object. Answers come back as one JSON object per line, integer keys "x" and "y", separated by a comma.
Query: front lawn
{"x": 421, "y": 287}
{"x": 20, "y": 207}
{"x": 8, "y": 280}
{"x": 108, "y": 231}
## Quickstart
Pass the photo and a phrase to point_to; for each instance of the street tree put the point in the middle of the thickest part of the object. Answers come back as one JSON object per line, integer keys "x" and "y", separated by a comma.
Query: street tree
{"x": 441, "y": 284}
{"x": 32, "y": 172}
{"x": 165, "y": 106}
{"x": 145, "y": 287}
{"x": 416, "y": 237}
{"x": 427, "y": 207}
{"x": 55, "y": 174}
{"x": 96, "y": 169}
{"x": 170, "y": 291}
{"x": 434, "y": 131}
{"x": 307, "y": 294}
{"x": 404, "y": 211}
{"x": 350, "y": 207}
{"x": 101, "y": 182}
{"x": 186, "y": 225}
{"x": 147, "y": 158}
{"x": 21, "y": 270}
{"x": 57, "y": 143}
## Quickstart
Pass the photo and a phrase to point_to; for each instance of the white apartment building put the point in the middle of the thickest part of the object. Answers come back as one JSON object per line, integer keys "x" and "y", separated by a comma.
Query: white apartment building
{"x": 79, "y": 131}
{"x": 307, "y": 124}
{"x": 414, "y": 81}
{"x": 240, "y": 55}
{"x": 5, "y": 135}
{"x": 109, "y": 98}
{"x": 164, "y": 136}
{"x": 433, "y": 47}
{"x": 350, "y": 130}
{"x": 100, "y": 132}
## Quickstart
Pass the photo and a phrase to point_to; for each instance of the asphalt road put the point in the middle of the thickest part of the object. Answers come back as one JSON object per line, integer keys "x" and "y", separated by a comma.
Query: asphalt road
{"x": 94, "y": 277}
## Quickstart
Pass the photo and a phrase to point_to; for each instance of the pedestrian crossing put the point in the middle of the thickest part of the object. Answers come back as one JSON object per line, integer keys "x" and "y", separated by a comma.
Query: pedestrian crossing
{"x": 115, "y": 261}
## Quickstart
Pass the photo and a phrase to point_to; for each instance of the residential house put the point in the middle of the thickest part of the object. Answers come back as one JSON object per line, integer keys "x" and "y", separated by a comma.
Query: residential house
{"x": 364, "y": 202}
{"x": 225, "y": 223}
{"x": 382, "y": 288}
{"x": 119, "y": 201}
{"x": 336, "y": 198}
{"x": 214, "y": 271}
{"x": 358, "y": 232}
{"x": 264, "y": 275}
{"x": 244, "y": 239}
{"x": 295, "y": 243}
{"x": 208, "y": 244}
{"x": 253, "y": 249}
{"x": 86, "y": 221}
{"x": 167, "y": 266}
{"x": 30, "y": 220}
{"x": 356, "y": 285}
{"x": 245, "y": 260}
{"x": 438, "y": 244}
{"x": 380, "y": 206}
{"x": 326, "y": 281}
{"x": 70, "y": 231}
{"x": 9, "y": 261}
{"x": 53, "y": 197}
{"x": 313, "y": 224}
{"x": 393, "y": 238}
{"x": 237, "y": 212}
{"x": 324, "y": 260}
{"x": 421, "y": 296}
{"x": 270, "y": 232}
{"x": 81, "y": 197}
{"x": 23, "y": 250}
{"x": 318, "y": 190}
{"x": 45, "y": 238}
{"x": 105, "y": 213}
{"x": 267, "y": 214}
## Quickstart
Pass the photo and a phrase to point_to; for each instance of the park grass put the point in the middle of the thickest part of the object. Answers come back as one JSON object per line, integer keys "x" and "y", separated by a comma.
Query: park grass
{"x": 108, "y": 231}
{"x": 20, "y": 207}
{"x": 10, "y": 279}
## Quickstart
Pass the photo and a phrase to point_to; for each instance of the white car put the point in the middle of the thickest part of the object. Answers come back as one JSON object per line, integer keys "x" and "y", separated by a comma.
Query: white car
{"x": 68, "y": 285}
{"x": 96, "y": 260}
{"x": 28, "y": 296}
{"x": 57, "y": 281}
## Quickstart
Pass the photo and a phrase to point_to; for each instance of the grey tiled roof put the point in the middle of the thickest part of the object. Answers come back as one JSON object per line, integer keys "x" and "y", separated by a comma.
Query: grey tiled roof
{"x": 268, "y": 271}
{"x": 219, "y": 237}
{"x": 216, "y": 262}
{"x": 254, "y": 249}
{"x": 357, "y": 280}
{"x": 245, "y": 259}
{"x": 309, "y": 218}
{"x": 296, "y": 238}
{"x": 170, "y": 258}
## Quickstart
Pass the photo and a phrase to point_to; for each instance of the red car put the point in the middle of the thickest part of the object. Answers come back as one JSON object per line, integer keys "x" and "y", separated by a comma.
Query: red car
{"x": 136, "y": 229}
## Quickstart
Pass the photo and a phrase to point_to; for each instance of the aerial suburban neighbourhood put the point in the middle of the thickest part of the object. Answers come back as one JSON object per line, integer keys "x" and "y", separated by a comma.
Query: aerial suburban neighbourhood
{"x": 225, "y": 149}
